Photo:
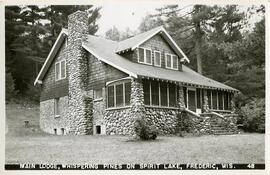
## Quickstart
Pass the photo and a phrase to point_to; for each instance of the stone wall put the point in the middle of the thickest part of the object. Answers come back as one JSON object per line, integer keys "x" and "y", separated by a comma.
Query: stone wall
{"x": 48, "y": 121}
{"x": 80, "y": 101}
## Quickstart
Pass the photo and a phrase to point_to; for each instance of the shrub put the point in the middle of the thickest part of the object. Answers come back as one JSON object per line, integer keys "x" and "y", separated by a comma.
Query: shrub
{"x": 184, "y": 124}
{"x": 144, "y": 131}
{"x": 253, "y": 115}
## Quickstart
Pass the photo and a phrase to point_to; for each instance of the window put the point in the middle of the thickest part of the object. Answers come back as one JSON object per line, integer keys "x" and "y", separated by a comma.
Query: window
{"x": 98, "y": 93}
{"x": 198, "y": 93}
{"x": 146, "y": 91}
{"x": 111, "y": 96}
{"x": 174, "y": 62}
{"x": 159, "y": 93}
{"x": 118, "y": 94}
{"x": 155, "y": 93}
{"x": 163, "y": 94}
{"x": 157, "y": 58}
{"x": 172, "y": 95}
{"x": 171, "y": 61}
{"x": 220, "y": 100}
{"x": 214, "y": 99}
{"x": 226, "y": 101}
{"x": 145, "y": 56}
{"x": 209, "y": 97}
{"x": 56, "y": 107}
{"x": 127, "y": 93}
{"x": 60, "y": 70}
{"x": 185, "y": 95}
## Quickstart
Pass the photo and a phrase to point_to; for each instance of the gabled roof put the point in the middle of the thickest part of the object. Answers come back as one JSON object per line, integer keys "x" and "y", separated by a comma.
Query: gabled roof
{"x": 51, "y": 56}
{"x": 105, "y": 50}
{"x": 134, "y": 42}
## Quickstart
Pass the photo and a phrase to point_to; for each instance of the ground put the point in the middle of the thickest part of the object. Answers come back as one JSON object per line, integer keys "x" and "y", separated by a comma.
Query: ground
{"x": 31, "y": 145}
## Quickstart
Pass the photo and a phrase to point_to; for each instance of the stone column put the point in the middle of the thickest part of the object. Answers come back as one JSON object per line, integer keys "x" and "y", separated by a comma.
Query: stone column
{"x": 205, "y": 102}
{"x": 137, "y": 100}
{"x": 79, "y": 106}
{"x": 181, "y": 99}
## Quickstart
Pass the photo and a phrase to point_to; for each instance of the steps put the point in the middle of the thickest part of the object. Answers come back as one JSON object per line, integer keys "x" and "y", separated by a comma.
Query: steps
{"x": 218, "y": 129}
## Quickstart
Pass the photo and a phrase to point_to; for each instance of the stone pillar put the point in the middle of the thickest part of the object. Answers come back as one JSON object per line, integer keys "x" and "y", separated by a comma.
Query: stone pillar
{"x": 181, "y": 99}
{"x": 79, "y": 103}
{"x": 205, "y": 102}
{"x": 137, "y": 100}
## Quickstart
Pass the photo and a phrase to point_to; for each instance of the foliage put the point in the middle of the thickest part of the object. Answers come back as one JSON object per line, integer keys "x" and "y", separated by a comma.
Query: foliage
{"x": 30, "y": 32}
{"x": 253, "y": 115}
{"x": 144, "y": 131}
{"x": 116, "y": 35}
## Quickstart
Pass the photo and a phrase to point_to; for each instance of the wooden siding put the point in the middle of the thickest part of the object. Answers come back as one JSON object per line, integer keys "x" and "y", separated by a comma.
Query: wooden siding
{"x": 100, "y": 73}
{"x": 51, "y": 88}
{"x": 156, "y": 43}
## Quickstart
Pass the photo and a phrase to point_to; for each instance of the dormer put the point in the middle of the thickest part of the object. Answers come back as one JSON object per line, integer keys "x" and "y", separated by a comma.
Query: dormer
{"x": 154, "y": 48}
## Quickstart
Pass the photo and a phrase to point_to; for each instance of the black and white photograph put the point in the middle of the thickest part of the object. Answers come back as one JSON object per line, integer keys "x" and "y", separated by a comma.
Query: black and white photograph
{"x": 137, "y": 85}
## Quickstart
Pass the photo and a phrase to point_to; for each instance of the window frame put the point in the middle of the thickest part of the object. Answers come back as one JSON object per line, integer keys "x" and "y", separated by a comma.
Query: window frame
{"x": 177, "y": 62}
{"x": 124, "y": 94}
{"x": 156, "y": 51}
{"x": 60, "y": 70}
{"x": 144, "y": 57}
{"x": 56, "y": 108}
{"x": 168, "y": 96}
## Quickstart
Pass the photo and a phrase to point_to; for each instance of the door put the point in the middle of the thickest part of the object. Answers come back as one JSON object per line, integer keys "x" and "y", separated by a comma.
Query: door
{"x": 192, "y": 100}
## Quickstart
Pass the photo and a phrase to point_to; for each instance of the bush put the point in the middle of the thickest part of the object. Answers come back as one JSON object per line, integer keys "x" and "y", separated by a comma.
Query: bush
{"x": 253, "y": 115}
{"x": 144, "y": 131}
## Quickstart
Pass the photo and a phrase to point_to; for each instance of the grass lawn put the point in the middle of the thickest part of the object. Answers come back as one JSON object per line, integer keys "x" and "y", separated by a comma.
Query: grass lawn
{"x": 31, "y": 145}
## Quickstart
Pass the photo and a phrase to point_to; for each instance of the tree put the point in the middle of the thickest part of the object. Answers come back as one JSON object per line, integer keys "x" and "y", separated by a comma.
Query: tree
{"x": 113, "y": 34}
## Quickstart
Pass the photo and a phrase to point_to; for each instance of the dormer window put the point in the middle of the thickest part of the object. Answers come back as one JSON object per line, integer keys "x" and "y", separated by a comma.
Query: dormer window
{"x": 171, "y": 61}
{"x": 157, "y": 58}
{"x": 60, "y": 70}
{"x": 145, "y": 56}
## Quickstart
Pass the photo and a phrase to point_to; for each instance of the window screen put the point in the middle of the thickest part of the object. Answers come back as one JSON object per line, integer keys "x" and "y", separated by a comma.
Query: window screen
{"x": 146, "y": 90}
{"x": 111, "y": 96}
{"x": 209, "y": 99}
{"x": 214, "y": 98}
{"x": 141, "y": 55}
{"x": 225, "y": 100}
{"x": 127, "y": 93}
{"x": 155, "y": 93}
{"x": 169, "y": 63}
{"x": 163, "y": 94}
{"x": 63, "y": 69}
{"x": 57, "y": 71}
{"x": 174, "y": 62}
{"x": 220, "y": 100}
{"x": 157, "y": 58}
{"x": 119, "y": 95}
{"x": 198, "y": 93}
{"x": 172, "y": 95}
{"x": 148, "y": 56}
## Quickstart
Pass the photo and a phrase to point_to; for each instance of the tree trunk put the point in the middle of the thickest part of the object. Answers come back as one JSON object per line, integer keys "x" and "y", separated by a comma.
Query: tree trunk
{"x": 198, "y": 55}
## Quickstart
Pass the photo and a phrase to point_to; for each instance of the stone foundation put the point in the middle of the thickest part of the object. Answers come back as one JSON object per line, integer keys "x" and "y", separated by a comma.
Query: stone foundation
{"x": 49, "y": 122}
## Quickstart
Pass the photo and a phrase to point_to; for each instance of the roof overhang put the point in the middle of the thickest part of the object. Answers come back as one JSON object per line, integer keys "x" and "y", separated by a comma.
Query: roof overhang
{"x": 51, "y": 56}
{"x": 168, "y": 39}
{"x": 108, "y": 62}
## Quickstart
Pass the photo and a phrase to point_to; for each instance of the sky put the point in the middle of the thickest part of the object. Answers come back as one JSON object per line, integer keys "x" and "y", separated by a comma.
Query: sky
{"x": 124, "y": 15}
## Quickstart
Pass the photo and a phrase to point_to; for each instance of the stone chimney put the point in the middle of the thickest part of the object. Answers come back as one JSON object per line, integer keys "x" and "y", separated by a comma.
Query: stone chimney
{"x": 79, "y": 104}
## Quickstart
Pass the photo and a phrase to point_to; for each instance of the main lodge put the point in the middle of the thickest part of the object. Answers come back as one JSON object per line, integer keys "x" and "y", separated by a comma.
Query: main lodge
{"x": 92, "y": 85}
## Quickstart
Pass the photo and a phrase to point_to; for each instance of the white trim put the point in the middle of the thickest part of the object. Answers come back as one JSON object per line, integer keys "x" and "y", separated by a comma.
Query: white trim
{"x": 60, "y": 70}
{"x": 155, "y": 51}
{"x": 121, "y": 79}
{"x": 166, "y": 54}
{"x": 110, "y": 63}
{"x": 170, "y": 39}
{"x": 49, "y": 56}
{"x": 144, "y": 55}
